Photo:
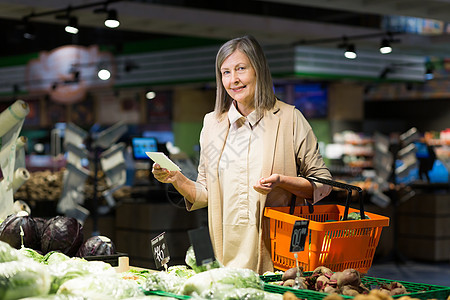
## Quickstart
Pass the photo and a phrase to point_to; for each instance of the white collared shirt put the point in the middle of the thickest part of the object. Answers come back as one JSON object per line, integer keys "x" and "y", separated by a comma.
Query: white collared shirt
{"x": 239, "y": 169}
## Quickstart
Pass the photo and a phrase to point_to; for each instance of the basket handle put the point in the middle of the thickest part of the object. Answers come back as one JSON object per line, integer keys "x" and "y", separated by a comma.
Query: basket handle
{"x": 344, "y": 186}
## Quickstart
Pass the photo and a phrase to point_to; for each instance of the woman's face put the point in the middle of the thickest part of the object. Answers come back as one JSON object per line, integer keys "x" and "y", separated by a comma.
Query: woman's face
{"x": 239, "y": 78}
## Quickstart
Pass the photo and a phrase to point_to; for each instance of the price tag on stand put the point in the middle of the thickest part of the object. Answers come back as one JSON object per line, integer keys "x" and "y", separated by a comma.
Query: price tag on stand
{"x": 160, "y": 251}
{"x": 201, "y": 242}
{"x": 299, "y": 234}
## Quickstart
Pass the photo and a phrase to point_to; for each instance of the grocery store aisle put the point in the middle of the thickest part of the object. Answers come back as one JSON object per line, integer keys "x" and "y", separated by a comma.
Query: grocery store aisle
{"x": 413, "y": 271}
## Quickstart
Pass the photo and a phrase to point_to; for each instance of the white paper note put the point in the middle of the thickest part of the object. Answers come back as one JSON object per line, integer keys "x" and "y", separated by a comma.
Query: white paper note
{"x": 161, "y": 159}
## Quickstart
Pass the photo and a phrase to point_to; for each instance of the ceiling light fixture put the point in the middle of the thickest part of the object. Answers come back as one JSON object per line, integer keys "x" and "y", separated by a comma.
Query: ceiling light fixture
{"x": 112, "y": 21}
{"x": 29, "y": 32}
{"x": 104, "y": 74}
{"x": 72, "y": 27}
{"x": 350, "y": 52}
{"x": 149, "y": 95}
{"x": 385, "y": 47}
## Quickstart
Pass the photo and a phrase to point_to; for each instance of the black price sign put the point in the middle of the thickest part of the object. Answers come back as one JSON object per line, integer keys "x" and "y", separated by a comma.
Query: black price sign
{"x": 201, "y": 242}
{"x": 299, "y": 233}
{"x": 160, "y": 250}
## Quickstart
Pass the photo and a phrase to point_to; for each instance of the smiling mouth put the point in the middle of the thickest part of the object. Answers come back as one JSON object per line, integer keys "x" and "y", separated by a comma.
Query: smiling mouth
{"x": 239, "y": 88}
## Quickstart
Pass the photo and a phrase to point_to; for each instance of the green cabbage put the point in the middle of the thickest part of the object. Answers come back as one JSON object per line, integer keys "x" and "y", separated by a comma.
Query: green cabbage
{"x": 8, "y": 253}
{"x": 54, "y": 257}
{"x": 31, "y": 253}
{"x": 191, "y": 262}
{"x": 101, "y": 287}
{"x": 221, "y": 278}
{"x": 181, "y": 271}
{"x": 76, "y": 267}
{"x": 19, "y": 279}
{"x": 163, "y": 281}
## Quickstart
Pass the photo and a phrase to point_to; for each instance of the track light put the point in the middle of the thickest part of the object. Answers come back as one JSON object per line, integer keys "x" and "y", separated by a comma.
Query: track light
{"x": 72, "y": 27}
{"x": 350, "y": 52}
{"x": 104, "y": 74}
{"x": 112, "y": 21}
{"x": 149, "y": 95}
{"x": 29, "y": 32}
{"x": 385, "y": 47}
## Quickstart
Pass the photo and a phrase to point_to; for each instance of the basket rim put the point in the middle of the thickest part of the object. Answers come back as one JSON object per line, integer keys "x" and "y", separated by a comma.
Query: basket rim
{"x": 281, "y": 213}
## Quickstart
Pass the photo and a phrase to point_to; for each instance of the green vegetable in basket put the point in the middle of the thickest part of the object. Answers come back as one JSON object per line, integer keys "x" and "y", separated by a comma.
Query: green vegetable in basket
{"x": 101, "y": 287}
{"x": 221, "y": 278}
{"x": 76, "y": 267}
{"x": 54, "y": 257}
{"x": 19, "y": 279}
{"x": 181, "y": 271}
{"x": 8, "y": 253}
{"x": 163, "y": 281}
{"x": 31, "y": 253}
{"x": 191, "y": 261}
{"x": 355, "y": 216}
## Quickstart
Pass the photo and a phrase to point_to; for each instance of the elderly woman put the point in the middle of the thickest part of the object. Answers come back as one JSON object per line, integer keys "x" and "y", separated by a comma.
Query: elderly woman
{"x": 253, "y": 147}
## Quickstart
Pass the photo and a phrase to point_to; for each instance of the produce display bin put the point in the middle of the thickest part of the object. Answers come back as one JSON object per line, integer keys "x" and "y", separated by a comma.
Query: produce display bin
{"x": 332, "y": 241}
{"x": 415, "y": 290}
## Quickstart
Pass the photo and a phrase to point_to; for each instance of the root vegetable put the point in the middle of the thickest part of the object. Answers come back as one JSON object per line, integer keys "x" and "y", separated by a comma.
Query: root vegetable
{"x": 321, "y": 270}
{"x": 333, "y": 297}
{"x": 289, "y": 296}
{"x": 347, "y": 277}
{"x": 330, "y": 289}
{"x": 397, "y": 288}
{"x": 289, "y": 282}
{"x": 349, "y": 290}
{"x": 379, "y": 294}
{"x": 291, "y": 273}
{"x": 321, "y": 282}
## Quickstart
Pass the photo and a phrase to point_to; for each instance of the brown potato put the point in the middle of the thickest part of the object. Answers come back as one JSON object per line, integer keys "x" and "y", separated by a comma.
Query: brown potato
{"x": 289, "y": 296}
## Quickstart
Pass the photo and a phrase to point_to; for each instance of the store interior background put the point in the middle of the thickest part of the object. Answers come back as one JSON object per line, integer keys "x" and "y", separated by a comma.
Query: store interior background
{"x": 168, "y": 47}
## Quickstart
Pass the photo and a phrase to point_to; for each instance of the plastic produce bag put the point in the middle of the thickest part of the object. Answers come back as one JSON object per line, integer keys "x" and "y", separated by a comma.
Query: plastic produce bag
{"x": 101, "y": 287}
{"x": 8, "y": 253}
{"x": 163, "y": 281}
{"x": 191, "y": 262}
{"x": 244, "y": 294}
{"x": 222, "y": 278}
{"x": 62, "y": 271}
{"x": 24, "y": 278}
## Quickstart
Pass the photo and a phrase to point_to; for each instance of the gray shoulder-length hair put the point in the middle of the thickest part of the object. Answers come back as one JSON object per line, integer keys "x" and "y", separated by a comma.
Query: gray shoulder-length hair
{"x": 264, "y": 95}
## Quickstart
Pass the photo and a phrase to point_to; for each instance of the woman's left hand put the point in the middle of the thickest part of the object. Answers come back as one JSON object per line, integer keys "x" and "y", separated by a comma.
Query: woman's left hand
{"x": 266, "y": 185}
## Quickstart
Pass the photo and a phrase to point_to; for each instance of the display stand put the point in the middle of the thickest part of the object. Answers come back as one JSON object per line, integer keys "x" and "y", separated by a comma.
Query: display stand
{"x": 401, "y": 149}
{"x": 103, "y": 154}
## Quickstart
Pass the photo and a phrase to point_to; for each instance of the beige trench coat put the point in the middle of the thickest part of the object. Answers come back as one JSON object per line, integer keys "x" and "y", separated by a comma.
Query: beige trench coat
{"x": 280, "y": 156}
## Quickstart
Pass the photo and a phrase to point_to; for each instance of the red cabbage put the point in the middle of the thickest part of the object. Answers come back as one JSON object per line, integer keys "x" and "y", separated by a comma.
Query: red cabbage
{"x": 62, "y": 234}
{"x": 10, "y": 232}
{"x": 97, "y": 245}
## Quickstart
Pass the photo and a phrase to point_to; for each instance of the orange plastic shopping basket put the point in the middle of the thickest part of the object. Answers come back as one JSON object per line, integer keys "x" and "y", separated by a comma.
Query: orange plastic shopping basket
{"x": 332, "y": 241}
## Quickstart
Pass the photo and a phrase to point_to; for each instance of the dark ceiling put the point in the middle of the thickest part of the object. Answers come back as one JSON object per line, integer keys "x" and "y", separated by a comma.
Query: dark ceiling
{"x": 49, "y": 36}
{"x": 270, "y": 21}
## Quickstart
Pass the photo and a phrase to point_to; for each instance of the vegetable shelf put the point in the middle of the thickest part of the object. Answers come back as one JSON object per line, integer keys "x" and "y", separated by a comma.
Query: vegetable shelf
{"x": 415, "y": 290}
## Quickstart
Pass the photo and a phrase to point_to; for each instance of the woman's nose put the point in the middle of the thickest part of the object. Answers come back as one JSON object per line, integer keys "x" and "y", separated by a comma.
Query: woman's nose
{"x": 235, "y": 77}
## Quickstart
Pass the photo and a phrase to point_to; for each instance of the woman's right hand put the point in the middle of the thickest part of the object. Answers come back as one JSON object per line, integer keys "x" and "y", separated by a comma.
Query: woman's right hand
{"x": 162, "y": 174}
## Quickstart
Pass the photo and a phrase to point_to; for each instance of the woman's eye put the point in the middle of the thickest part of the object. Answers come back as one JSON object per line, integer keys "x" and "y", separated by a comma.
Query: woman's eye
{"x": 225, "y": 72}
